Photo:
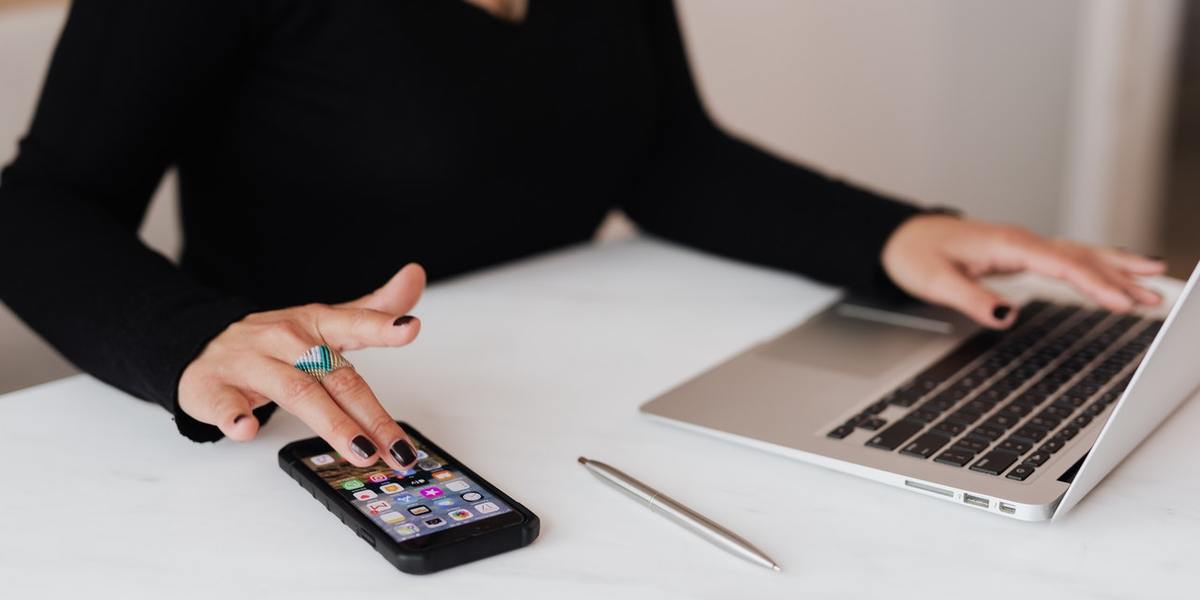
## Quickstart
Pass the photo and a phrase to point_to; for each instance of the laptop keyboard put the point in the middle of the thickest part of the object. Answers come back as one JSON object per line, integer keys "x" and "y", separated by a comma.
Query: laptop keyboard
{"x": 1002, "y": 403}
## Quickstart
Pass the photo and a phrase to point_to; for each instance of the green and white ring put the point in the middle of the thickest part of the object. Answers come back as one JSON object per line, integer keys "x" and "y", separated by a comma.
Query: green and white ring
{"x": 320, "y": 361}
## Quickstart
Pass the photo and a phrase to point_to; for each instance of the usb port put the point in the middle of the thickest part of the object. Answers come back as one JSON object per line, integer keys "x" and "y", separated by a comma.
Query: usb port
{"x": 1007, "y": 509}
{"x": 975, "y": 501}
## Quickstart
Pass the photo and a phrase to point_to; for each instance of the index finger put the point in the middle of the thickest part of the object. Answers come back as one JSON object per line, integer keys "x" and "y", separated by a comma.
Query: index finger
{"x": 352, "y": 393}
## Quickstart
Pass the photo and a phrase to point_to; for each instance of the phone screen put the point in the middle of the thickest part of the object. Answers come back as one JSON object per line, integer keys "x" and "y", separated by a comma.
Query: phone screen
{"x": 431, "y": 497}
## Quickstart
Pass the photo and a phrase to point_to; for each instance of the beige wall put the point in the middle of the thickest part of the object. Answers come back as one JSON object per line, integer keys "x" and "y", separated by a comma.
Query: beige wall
{"x": 950, "y": 102}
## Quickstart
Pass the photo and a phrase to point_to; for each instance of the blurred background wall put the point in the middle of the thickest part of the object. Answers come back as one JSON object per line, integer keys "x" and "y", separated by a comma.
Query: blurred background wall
{"x": 1072, "y": 117}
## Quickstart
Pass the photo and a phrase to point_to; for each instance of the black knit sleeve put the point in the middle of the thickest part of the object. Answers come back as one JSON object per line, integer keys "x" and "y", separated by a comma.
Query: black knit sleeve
{"x": 126, "y": 79}
{"x": 707, "y": 189}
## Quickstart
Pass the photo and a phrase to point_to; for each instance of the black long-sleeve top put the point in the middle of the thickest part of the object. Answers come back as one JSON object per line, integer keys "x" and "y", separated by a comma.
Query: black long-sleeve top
{"x": 321, "y": 145}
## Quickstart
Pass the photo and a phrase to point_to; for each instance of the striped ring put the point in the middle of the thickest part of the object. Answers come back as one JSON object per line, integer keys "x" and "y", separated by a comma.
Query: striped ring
{"x": 320, "y": 361}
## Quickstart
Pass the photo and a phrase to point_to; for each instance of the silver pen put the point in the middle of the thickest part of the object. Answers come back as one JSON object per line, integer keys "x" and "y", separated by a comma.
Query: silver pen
{"x": 688, "y": 518}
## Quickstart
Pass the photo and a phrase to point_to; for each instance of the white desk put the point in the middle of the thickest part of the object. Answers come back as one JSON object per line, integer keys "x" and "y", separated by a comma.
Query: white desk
{"x": 518, "y": 371}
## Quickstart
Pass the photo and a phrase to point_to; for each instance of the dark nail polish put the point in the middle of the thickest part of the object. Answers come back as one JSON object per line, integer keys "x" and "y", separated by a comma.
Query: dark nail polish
{"x": 401, "y": 321}
{"x": 362, "y": 447}
{"x": 239, "y": 418}
{"x": 1001, "y": 311}
{"x": 404, "y": 453}
{"x": 1158, "y": 258}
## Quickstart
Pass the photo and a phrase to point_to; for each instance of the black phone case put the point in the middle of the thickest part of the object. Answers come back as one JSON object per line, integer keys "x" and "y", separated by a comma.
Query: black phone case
{"x": 424, "y": 561}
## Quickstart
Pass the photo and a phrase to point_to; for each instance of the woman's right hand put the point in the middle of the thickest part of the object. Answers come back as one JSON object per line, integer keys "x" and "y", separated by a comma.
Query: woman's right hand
{"x": 251, "y": 364}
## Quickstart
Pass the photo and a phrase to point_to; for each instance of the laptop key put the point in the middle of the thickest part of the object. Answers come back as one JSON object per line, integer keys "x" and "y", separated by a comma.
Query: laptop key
{"x": 1031, "y": 398}
{"x": 877, "y": 407}
{"x": 1044, "y": 421}
{"x": 1016, "y": 410}
{"x": 925, "y": 445}
{"x": 1067, "y": 433}
{"x": 872, "y": 423}
{"x": 965, "y": 416}
{"x": 1015, "y": 446}
{"x": 955, "y": 456}
{"x": 949, "y": 427}
{"x": 841, "y": 432}
{"x": 1037, "y": 458}
{"x": 939, "y": 403}
{"x": 1052, "y": 445}
{"x": 980, "y": 406}
{"x": 898, "y": 433}
{"x": 1031, "y": 433}
{"x": 1081, "y": 421}
{"x": 994, "y": 462}
{"x": 973, "y": 444}
{"x": 1056, "y": 412}
{"x": 1071, "y": 401}
{"x": 905, "y": 398}
{"x": 1020, "y": 472}
{"x": 984, "y": 431}
{"x": 923, "y": 415}
{"x": 1002, "y": 421}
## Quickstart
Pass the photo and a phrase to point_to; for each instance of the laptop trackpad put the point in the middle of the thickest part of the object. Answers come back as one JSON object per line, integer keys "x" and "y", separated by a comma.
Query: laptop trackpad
{"x": 851, "y": 345}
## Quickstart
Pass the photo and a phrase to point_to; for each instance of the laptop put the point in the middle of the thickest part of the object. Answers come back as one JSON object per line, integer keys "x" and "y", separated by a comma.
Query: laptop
{"x": 1020, "y": 423}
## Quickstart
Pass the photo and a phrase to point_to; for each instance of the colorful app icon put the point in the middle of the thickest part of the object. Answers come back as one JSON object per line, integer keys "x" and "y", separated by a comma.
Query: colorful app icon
{"x": 391, "y": 488}
{"x": 364, "y": 495}
{"x": 391, "y": 518}
{"x": 419, "y": 509}
{"x": 457, "y": 486}
{"x": 446, "y": 502}
{"x": 413, "y": 482}
{"x": 378, "y": 506}
{"x": 428, "y": 464}
{"x": 377, "y": 478}
{"x": 322, "y": 459}
{"x": 422, "y": 454}
{"x": 405, "y": 473}
{"x": 486, "y": 507}
{"x": 405, "y": 498}
{"x": 434, "y": 522}
{"x": 351, "y": 484}
{"x": 406, "y": 529}
{"x": 442, "y": 475}
{"x": 472, "y": 496}
{"x": 432, "y": 491}
{"x": 461, "y": 514}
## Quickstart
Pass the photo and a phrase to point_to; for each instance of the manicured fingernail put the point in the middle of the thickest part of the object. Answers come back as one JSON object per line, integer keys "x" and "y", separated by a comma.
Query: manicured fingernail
{"x": 1158, "y": 258}
{"x": 238, "y": 419}
{"x": 404, "y": 453}
{"x": 401, "y": 321}
{"x": 362, "y": 447}
{"x": 1001, "y": 311}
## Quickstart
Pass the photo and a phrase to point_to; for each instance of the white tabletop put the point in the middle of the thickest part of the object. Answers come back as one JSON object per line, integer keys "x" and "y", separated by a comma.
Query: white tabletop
{"x": 518, "y": 371}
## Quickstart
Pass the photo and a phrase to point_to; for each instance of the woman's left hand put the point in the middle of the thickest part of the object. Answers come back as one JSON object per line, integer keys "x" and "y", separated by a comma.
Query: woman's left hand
{"x": 938, "y": 258}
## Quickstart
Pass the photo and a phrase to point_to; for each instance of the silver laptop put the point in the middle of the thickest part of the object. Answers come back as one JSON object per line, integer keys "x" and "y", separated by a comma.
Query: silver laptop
{"x": 1021, "y": 423}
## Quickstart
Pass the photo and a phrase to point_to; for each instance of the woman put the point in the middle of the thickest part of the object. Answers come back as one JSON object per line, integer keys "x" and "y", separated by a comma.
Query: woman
{"x": 322, "y": 144}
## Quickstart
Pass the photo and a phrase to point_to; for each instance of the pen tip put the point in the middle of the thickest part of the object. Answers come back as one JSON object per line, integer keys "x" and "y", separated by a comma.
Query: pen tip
{"x": 775, "y": 568}
{"x": 582, "y": 460}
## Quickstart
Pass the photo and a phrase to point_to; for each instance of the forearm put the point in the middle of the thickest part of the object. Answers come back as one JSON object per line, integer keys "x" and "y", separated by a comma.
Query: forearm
{"x": 714, "y": 192}
{"x": 112, "y": 306}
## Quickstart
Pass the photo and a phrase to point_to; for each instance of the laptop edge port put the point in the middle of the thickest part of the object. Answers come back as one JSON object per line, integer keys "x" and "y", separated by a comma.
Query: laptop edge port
{"x": 1007, "y": 509}
{"x": 976, "y": 501}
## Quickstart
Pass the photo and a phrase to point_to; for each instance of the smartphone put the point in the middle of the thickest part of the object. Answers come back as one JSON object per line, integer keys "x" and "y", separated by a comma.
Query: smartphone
{"x": 437, "y": 515}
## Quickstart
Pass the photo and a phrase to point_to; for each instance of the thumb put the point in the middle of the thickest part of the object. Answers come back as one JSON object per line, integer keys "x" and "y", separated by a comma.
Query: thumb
{"x": 950, "y": 287}
{"x": 226, "y": 407}
{"x": 398, "y": 296}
